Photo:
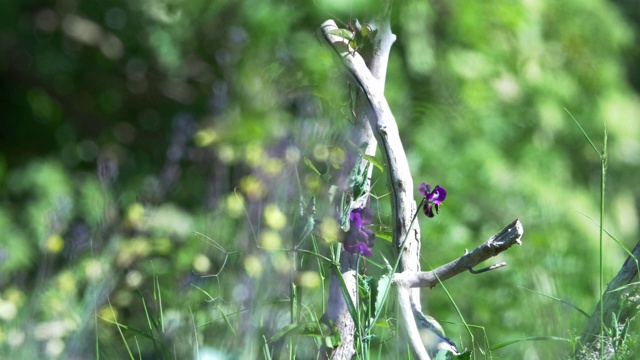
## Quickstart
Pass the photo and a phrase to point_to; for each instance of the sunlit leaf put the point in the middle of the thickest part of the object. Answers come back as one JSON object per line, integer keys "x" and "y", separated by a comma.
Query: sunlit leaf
{"x": 375, "y": 162}
{"x": 310, "y": 165}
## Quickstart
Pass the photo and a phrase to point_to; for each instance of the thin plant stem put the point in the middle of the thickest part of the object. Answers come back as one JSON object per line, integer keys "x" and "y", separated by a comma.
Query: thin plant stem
{"x": 603, "y": 172}
{"x": 395, "y": 267}
{"x": 464, "y": 322}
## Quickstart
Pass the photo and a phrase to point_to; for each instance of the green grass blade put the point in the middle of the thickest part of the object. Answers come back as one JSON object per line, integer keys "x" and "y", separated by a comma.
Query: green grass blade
{"x": 195, "y": 335}
{"x": 603, "y": 175}
{"x": 385, "y": 293}
{"x": 158, "y": 295}
{"x": 584, "y": 133}
{"x": 558, "y": 300}
{"x": 530, "y": 338}
{"x": 345, "y": 293}
{"x": 226, "y": 320}
{"x": 455, "y": 306}
{"x": 118, "y": 325}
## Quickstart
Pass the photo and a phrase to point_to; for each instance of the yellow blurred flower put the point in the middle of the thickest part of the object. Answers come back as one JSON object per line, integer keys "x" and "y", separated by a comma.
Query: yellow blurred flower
{"x": 108, "y": 313}
{"x": 135, "y": 214}
{"x": 133, "y": 249}
{"x": 253, "y": 266}
{"x": 226, "y": 153}
{"x": 330, "y": 229}
{"x": 8, "y": 310}
{"x": 162, "y": 246}
{"x": 272, "y": 166}
{"x": 337, "y": 157}
{"x": 67, "y": 282}
{"x": 93, "y": 270}
{"x": 15, "y": 338}
{"x": 320, "y": 152}
{"x": 235, "y": 205}
{"x": 281, "y": 262}
{"x": 201, "y": 264}
{"x": 292, "y": 155}
{"x": 54, "y": 244}
{"x": 274, "y": 218}
{"x": 313, "y": 182}
{"x": 254, "y": 154}
{"x": 252, "y": 186}
{"x": 133, "y": 279}
{"x": 270, "y": 240}
{"x": 205, "y": 137}
{"x": 54, "y": 347}
{"x": 15, "y": 295}
{"x": 309, "y": 279}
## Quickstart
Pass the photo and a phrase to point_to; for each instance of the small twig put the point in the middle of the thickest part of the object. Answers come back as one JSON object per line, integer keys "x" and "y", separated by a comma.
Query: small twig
{"x": 488, "y": 268}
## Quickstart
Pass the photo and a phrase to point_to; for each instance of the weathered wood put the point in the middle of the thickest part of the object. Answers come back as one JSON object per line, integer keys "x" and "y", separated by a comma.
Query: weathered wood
{"x": 620, "y": 298}
{"x": 498, "y": 243}
{"x": 399, "y": 178}
{"x": 406, "y": 235}
{"x": 337, "y": 310}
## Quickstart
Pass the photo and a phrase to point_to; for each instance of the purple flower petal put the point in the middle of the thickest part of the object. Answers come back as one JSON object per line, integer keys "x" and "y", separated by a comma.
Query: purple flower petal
{"x": 367, "y": 216}
{"x": 358, "y": 248}
{"x": 356, "y": 219}
{"x": 359, "y": 239}
{"x": 428, "y": 210}
{"x": 438, "y": 195}
{"x": 365, "y": 251}
{"x": 424, "y": 190}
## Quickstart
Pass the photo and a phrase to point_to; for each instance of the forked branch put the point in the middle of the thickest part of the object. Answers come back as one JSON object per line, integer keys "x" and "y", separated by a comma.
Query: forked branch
{"x": 370, "y": 79}
{"x": 498, "y": 243}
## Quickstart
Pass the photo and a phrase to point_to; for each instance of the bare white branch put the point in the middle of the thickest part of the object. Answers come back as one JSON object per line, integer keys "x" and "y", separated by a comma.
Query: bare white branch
{"x": 498, "y": 243}
{"x": 369, "y": 76}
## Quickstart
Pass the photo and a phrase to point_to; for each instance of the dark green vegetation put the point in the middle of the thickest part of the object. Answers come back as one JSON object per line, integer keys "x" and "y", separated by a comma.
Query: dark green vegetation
{"x": 153, "y": 154}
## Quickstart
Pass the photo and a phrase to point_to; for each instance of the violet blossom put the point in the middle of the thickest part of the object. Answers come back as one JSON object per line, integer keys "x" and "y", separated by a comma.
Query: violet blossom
{"x": 433, "y": 199}
{"x": 360, "y": 239}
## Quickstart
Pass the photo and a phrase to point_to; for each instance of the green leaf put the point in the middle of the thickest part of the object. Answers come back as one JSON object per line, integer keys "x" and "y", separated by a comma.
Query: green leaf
{"x": 448, "y": 355}
{"x": 383, "y": 291}
{"x": 332, "y": 193}
{"x": 375, "y": 162}
{"x": 465, "y": 355}
{"x": 382, "y": 323}
{"x": 284, "y": 331}
{"x": 559, "y": 300}
{"x": 531, "y": 338}
{"x": 384, "y": 235}
{"x": 328, "y": 333}
{"x": 311, "y": 166}
{"x": 444, "y": 355}
{"x": 366, "y": 30}
{"x": 368, "y": 290}
{"x": 343, "y": 33}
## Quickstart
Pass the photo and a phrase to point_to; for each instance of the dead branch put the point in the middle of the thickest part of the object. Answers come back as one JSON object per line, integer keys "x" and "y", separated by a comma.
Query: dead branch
{"x": 498, "y": 243}
{"x": 621, "y": 298}
{"x": 371, "y": 81}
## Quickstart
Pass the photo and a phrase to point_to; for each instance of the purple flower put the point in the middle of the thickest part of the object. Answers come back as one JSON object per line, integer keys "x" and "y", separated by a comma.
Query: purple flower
{"x": 433, "y": 199}
{"x": 359, "y": 239}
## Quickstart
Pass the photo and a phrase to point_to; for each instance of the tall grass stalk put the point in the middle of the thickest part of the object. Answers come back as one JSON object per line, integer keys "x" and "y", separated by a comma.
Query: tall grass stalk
{"x": 603, "y": 172}
{"x": 455, "y": 306}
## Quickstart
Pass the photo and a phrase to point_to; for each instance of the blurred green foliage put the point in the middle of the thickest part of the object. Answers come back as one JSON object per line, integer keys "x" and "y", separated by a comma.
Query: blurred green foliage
{"x": 129, "y": 126}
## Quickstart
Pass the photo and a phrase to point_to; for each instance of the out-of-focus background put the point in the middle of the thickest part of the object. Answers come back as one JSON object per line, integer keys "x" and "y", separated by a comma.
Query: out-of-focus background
{"x": 153, "y": 154}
